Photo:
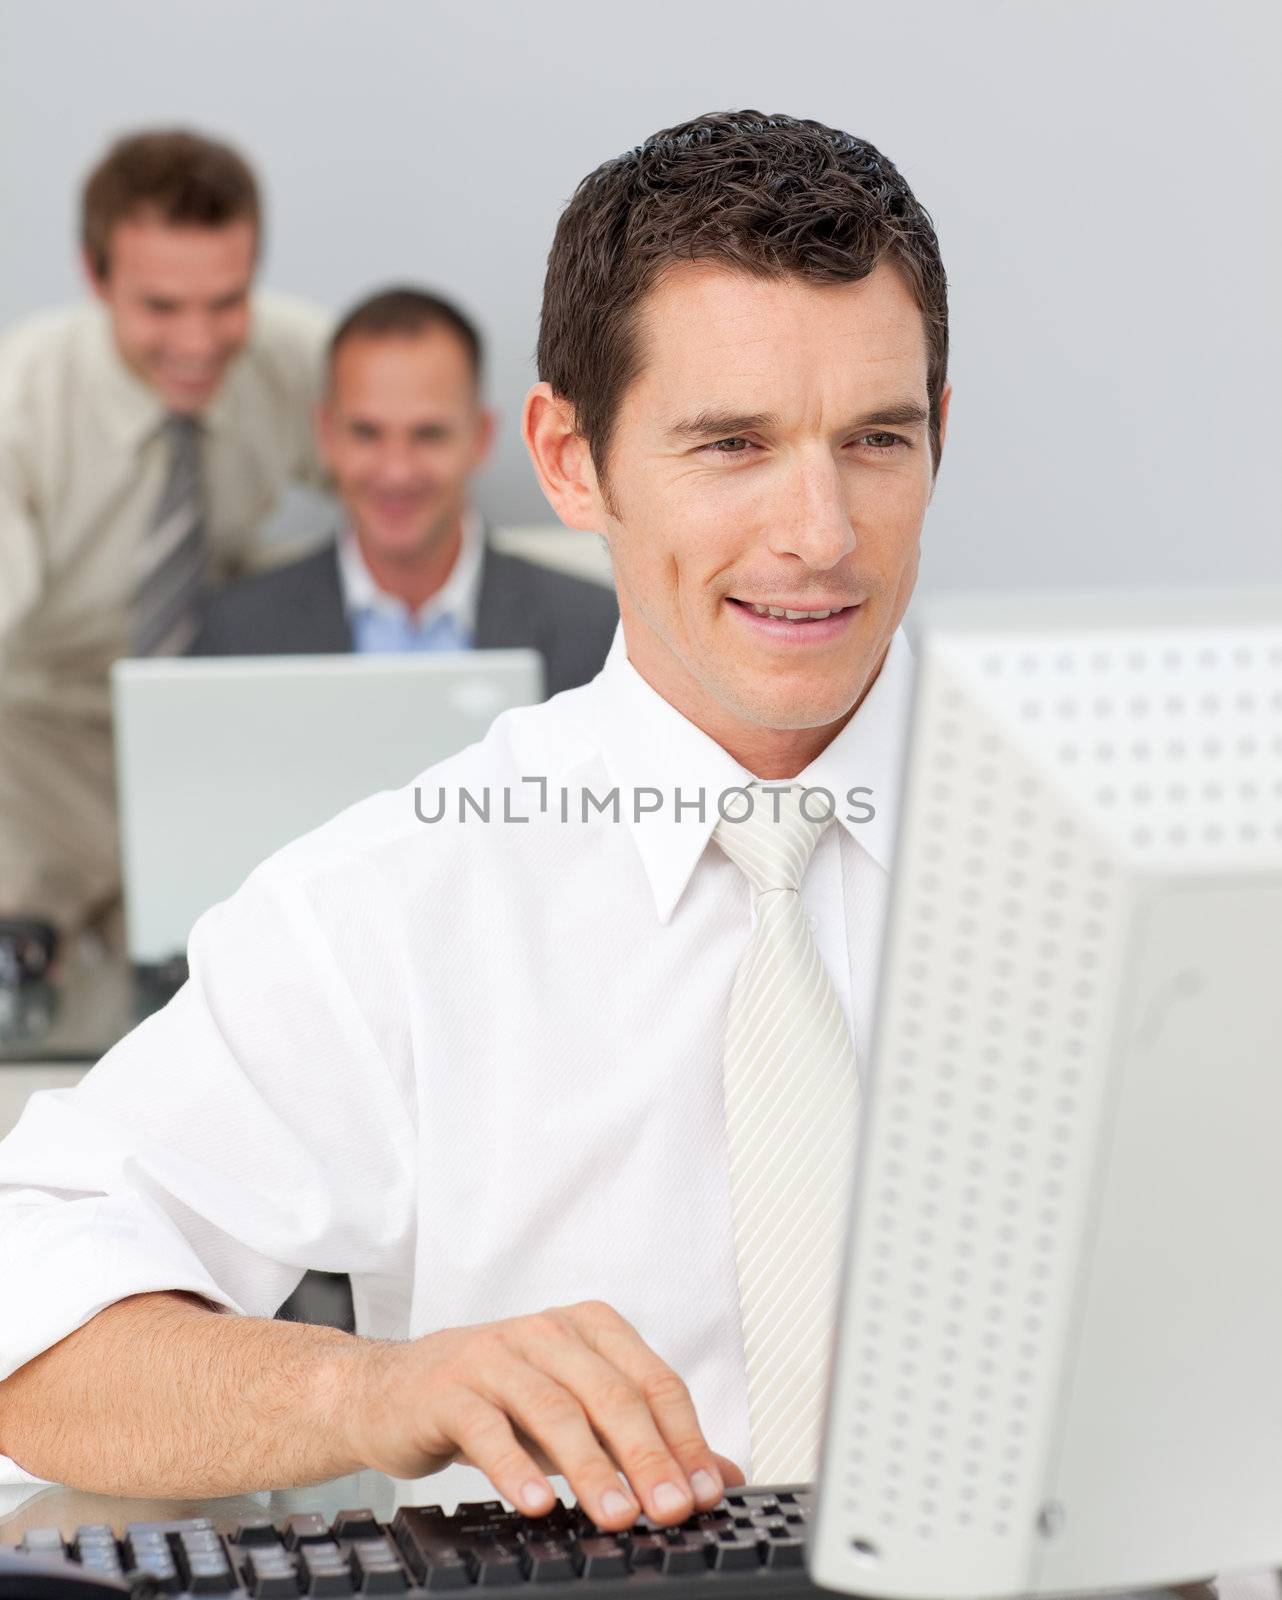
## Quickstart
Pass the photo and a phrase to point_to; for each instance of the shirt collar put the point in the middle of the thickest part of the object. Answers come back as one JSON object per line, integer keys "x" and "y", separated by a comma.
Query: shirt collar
{"x": 648, "y": 744}
{"x": 458, "y": 597}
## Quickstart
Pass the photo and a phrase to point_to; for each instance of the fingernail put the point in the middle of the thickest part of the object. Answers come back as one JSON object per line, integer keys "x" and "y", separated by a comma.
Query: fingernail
{"x": 616, "y": 1504}
{"x": 705, "y": 1485}
{"x": 535, "y": 1496}
{"x": 667, "y": 1497}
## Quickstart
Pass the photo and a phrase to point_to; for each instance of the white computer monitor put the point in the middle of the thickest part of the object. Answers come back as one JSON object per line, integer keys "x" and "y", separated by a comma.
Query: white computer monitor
{"x": 222, "y": 760}
{"x": 1059, "y": 1357}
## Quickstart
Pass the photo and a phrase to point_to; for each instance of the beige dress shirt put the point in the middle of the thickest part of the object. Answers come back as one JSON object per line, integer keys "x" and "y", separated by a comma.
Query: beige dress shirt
{"x": 82, "y": 466}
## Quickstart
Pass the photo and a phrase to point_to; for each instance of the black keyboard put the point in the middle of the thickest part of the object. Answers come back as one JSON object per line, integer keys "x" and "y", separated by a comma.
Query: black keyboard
{"x": 752, "y": 1543}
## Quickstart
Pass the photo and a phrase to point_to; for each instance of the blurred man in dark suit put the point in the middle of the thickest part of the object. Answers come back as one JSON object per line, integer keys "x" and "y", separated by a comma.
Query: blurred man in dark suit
{"x": 403, "y": 430}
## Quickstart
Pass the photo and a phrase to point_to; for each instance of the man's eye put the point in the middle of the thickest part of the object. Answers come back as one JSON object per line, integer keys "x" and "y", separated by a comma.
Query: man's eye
{"x": 883, "y": 441}
{"x": 729, "y": 447}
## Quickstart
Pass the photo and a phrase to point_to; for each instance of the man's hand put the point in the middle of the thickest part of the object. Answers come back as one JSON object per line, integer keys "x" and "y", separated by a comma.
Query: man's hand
{"x": 573, "y": 1390}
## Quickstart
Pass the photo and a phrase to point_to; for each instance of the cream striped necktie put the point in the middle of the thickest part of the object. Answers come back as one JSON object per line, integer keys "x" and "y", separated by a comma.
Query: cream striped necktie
{"x": 791, "y": 1100}
{"x": 171, "y": 585}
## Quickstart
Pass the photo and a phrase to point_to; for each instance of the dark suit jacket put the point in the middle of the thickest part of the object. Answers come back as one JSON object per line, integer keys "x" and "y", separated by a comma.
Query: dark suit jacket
{"x": 298, "y": 610}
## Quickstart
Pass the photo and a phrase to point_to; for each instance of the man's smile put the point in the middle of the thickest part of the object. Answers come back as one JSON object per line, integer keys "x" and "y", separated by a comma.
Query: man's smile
{"x": 778, "y": 621}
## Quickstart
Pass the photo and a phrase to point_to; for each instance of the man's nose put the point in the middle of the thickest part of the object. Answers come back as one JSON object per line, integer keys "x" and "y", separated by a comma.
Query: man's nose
{"x": 196, "y": 338}
{"x": 396, "y": 466}
{"x": 814, "y": 520}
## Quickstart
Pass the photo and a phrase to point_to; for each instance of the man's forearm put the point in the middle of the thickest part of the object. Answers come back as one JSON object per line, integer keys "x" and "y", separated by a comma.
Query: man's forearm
{"x": 161, "y": 1396}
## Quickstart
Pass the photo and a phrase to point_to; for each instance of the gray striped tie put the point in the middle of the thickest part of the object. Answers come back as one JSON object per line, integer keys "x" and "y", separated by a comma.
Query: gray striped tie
{"x": 171, "y": 584}
{"x": 792, "y": 1097}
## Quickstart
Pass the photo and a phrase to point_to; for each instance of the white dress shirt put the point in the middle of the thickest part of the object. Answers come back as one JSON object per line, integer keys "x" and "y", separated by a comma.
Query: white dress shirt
{"x": 478, "y": 1066}
{"x": 457, "y": 598}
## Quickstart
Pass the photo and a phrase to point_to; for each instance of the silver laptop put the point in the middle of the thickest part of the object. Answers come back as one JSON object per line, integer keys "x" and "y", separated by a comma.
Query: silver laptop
{"x": 220, "y": 761}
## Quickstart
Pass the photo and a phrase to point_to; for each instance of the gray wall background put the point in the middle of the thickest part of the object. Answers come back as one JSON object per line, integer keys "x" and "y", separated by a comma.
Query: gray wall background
{"x": 1103, "y": 177}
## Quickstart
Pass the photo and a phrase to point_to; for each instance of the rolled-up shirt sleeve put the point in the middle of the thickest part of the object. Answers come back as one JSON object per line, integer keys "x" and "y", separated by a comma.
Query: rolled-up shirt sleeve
{"x": 256, "y": 1127}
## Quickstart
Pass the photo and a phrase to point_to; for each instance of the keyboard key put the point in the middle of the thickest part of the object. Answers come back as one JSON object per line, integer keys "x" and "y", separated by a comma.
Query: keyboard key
{"x": 362, "y": 1524}
{"x": 256, "y": 1531}
{"x": 148, "y": 1551}
{"x": 785, "y": 1554}
{"x": 599, "y": 1556}
{"x": 43, "y": 1542}
{"x": 270, "y": 1574}
{"x": 95, "y": 1533}
{"x": 685, "y": 1553}
{"x": 324, "y": 1570}
{"x": 645, "y": 1549}
{"x": 434, "y": 1558}
{"x": 493, "y": 1563}
{"x": 102, "y": 1566}
{"x": 553, "y": 1525}
{"x": 733, "y": 1553}
{"x": 480, "y": 1512}
{"x": 376, "y": 1568}
{"x": 547, "y": 1561}
{"x": 96, "y": 1550}
{"x": 208, "y": 1574}
{"x": 306, "y": 1528}
{"x": 203, "y": 1562}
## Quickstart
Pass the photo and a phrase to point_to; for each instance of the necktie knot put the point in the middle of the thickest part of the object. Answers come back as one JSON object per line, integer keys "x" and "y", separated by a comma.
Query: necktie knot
{"x": 181, "y": 427}
{"x": 775, "y": 838}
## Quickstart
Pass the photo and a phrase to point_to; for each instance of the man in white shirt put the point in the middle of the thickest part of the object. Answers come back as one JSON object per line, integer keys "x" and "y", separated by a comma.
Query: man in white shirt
{"x": 403, "y": 429}
{"x": 144, "y": 436}
{"x": 485, "y": 1067}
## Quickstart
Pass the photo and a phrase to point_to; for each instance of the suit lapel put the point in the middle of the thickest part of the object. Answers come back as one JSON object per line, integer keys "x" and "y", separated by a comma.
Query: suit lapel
{"x": 502, "y": 617}
{"x": 327, "y": 621}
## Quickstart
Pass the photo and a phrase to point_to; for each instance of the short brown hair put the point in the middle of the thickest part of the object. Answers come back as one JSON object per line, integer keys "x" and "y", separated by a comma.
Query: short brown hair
{"x": 406, "y": 311}
{"x": 184, "y": 178}
{"x": 771, "y": 195}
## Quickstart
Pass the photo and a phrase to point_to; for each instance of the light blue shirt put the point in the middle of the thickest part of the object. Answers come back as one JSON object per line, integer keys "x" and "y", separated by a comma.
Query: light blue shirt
{"x": 381, "y": 632}
{"x": 383, "y": 623}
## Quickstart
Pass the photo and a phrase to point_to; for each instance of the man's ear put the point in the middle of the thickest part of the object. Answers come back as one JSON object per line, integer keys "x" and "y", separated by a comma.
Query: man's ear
{"x": 487, "y": 425}
{"x": 562, "y": 460}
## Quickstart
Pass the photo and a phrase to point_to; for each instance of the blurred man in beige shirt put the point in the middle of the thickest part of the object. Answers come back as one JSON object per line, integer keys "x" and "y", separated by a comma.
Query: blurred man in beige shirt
{"x": 144, "y": 436}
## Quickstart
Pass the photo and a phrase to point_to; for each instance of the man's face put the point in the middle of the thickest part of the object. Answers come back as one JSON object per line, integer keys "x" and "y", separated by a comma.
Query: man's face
{"x": 403, "y": 432}
{"x": 179, "y": 303}
{"x": 773, "y": 453}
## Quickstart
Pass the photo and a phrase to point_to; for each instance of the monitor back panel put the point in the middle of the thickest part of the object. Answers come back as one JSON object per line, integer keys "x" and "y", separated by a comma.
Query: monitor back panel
{"x": 1056, "y": 1366}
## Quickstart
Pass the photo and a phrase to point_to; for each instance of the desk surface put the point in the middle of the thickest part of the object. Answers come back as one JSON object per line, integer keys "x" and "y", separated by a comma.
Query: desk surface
{"x": 68, "y": 1508}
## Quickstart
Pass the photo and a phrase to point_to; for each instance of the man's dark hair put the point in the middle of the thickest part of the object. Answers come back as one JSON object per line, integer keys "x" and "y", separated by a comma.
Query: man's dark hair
{"x": 181, "y": 177}
{"x": 406, "y": 312}
{"x": 770, "y": 195}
